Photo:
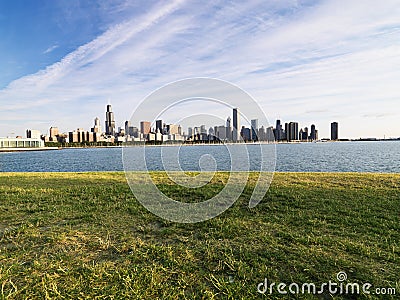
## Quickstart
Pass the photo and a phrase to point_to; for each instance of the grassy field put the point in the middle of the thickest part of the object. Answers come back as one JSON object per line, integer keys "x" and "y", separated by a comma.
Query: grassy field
{"x": 84, "y": 235}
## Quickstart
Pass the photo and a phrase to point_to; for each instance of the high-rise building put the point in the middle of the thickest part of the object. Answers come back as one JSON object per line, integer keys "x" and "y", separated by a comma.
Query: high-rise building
{"x": 53, "y": 132}
{"x": 334, "y": 131}
{"x": 305, "y": 134}
{"x": 203, "y": 129}
{"x": 145, "y": 127}
{"x": 73, "y": 137}
{"x": 33, "y": 134}
{"x": 173, "y": 129}
{"x": 127, "y": 125}
{"x": 287, "y": 132}
{"x": 159, "y": 126}
{"x": 254, "y": 129}
{"x": 236, "y": 125}
{"x": 262, "y": 135}
{"x": 211, "y": 133}
{"x": 313, "y": 134}
{"x": 97, "y": 127}
{"x": 110, "y": 122}
{"x": 269, "y": 134}
{"x": 293, "y": 131}
{"x": 228, "y": 134}
{"x": 220, "y": 133}
{"x": 278, "y": 132}
{"x": 245, "y": 133}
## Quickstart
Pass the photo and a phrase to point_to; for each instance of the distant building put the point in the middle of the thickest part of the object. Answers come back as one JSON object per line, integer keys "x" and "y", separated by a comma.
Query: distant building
{"x": 33, "y": 134}
{"x": 278, "y": 132}
{"x": 97, "y": 126}
{"x": 303, "y": 134}
{"x": 254, "y": 129}
{"x": 220, "y": 133}
{"x": 190, "y": 133}
{"x": 211, "y": 135}
{"x": 110, "y": 122}
{"x": 82, "y": 136}
{"x": 334, "y": 131}
{"x": 73, "y": 137}
{"x": 293, "y": 131}
{"x": 159, "y": 126}
{"x": 313, "y": 133}
{"x": 262, "y": 134}
{"x": 21, "y": 143}
{"x": 127, "y": 125}
{"x": 287, "y": 132}
{"x": 269, "y": 134}
{"x": 228, "y": 129}
{"x": 245, "y": 133}
{"x": 173, "y": 129}
{"x": 133, "y": 131}
{"x": 236, "y": 125}
{"x": 145, "y": 128}
{"x": 53, "y": 132}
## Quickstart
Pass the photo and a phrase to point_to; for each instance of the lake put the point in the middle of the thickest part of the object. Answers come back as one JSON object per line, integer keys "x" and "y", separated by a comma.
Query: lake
{"x": 377, "y": 157}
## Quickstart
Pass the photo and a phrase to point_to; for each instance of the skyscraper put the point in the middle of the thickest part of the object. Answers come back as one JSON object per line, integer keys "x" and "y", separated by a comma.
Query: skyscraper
{"x": 293, "y": 131}
{"x": 97, "y": 127}
{"x": 127, "y": 125}
{"x": 287, "y": 132}
{"x": 334, "y": 131}
{"x": 236, "y": 125}
{"x": 278, "y": 132}
{"x": 53, "y": 132}
{"x": 254, "y": 129}
{"x": 145, "y": 127}
{"x": 110, "y": 122}
{"x": 159, "y": 126}
{"x": 313, "y": 134}
{"x": 228, "y": 134}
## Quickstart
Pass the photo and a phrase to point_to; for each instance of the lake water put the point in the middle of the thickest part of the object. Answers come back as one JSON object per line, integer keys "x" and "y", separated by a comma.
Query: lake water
{"x": 382, "y": 157}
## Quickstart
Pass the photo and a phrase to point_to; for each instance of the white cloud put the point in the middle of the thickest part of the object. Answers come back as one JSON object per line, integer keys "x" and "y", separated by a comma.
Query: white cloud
{"x": 50, "y": 49}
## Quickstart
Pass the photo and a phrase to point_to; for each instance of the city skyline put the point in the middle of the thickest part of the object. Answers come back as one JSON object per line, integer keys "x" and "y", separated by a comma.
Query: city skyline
{"x": 310, "y": 61}
{"x": 161, "y": 131}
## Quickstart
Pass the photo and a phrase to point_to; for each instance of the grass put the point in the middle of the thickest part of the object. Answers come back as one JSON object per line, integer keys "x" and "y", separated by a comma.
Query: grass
{"x": 84, "y": 236}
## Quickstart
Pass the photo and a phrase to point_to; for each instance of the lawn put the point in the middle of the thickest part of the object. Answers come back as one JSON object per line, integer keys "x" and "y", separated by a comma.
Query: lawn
{"x": 84, "y": 235}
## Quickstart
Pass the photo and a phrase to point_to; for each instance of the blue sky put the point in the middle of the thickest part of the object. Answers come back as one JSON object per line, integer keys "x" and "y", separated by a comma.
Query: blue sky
{"x": 306, "y": 61}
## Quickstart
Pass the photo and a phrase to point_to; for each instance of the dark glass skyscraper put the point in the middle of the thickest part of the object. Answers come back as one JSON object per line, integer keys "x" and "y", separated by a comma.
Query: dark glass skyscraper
{"x": 334, "y": 131}
{"x": 293, "y": 131}
{"x": 159, "y": 126}
{"x": 110, "y": 122}
{"x": 254, "y": 130}
{"x": 313, "y": 134}
{"x": 236, "y": 125}
{"x": 278, "y": 132}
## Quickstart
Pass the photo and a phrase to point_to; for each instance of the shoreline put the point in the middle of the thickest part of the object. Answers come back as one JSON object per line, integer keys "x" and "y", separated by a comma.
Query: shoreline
{"x": 29, "y": 149}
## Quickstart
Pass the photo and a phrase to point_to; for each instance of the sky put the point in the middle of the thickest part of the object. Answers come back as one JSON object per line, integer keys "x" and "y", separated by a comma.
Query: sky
{"x": 308, "y": 61}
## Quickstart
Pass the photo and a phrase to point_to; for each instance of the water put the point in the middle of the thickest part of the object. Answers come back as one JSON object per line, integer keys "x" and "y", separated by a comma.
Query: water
{"x": 379, "y": 157}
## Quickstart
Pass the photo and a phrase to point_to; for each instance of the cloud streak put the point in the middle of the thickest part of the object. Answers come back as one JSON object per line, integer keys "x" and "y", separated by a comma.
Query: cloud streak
{"x": 50, "y": 49}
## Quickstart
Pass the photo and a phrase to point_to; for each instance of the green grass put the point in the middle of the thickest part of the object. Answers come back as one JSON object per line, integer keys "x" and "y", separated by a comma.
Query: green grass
{"x": 84, "y": 235}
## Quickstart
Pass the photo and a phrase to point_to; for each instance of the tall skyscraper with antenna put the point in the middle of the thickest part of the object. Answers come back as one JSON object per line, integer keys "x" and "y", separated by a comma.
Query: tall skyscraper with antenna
{"x": 110, "y": 122}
